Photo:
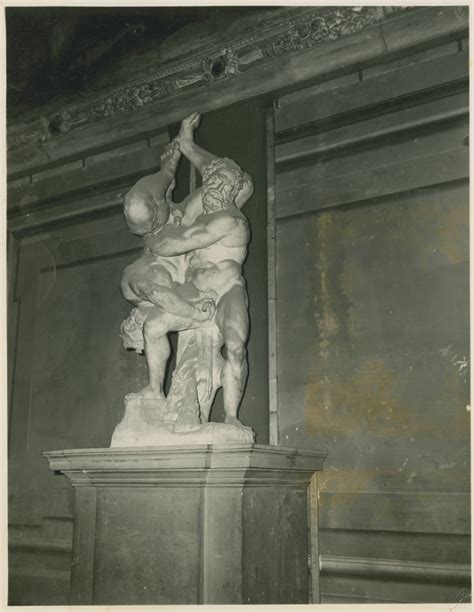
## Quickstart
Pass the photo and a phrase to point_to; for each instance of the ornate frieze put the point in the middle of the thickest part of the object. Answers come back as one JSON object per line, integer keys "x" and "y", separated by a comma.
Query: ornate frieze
{"x": 299, "y": 29}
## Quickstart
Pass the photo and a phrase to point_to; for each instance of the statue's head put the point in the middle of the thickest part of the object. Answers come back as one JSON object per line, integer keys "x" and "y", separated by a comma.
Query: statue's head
{"x": 222, "y": 179}
{"x": 145, "y": 214}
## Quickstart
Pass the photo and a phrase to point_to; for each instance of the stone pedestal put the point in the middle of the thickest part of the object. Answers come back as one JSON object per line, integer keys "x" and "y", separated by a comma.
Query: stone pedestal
{"x": 192, "y": 524}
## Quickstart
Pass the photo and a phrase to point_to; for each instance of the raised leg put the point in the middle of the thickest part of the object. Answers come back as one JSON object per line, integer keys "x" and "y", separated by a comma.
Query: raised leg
{"x": 152, "y": 193}
{"x": 196, "y": 155}
{"x": 157, "y": 348}
{"x": 158, "y": 184}
{"x": 181, "y": 313}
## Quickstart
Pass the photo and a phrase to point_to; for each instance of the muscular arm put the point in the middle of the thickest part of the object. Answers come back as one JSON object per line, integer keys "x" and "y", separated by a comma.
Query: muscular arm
{"x": 196, "y": 155}
{"x": 206, "y": 230}
{"x": 166, "y": 299}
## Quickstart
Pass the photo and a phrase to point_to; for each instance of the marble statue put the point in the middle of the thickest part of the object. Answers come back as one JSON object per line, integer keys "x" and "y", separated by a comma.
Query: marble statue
{"x": 189, "y": 280}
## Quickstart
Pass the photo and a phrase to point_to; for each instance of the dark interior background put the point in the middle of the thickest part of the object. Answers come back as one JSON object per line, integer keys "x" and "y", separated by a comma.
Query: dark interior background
{"x": 60, "y": 53}
{"x": 369, "y": 168}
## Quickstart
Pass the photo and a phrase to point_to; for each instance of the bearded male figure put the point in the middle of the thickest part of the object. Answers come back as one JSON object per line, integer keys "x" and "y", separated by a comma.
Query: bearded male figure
{"x": 191, "y": 263}
{"x": 215, "y": 247}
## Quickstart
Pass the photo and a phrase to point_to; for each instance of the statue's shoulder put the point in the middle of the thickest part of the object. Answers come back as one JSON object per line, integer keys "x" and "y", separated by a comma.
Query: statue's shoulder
{"x": 237, "y": 214}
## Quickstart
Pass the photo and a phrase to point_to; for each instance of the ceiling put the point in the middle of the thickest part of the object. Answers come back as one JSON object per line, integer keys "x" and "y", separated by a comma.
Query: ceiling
{"x": 56, "y": 51}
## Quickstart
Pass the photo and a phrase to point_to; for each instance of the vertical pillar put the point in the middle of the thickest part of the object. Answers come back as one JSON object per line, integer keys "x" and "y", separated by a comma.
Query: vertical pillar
{"x": 221, "y": 540}
{"x": 83, "y": 547}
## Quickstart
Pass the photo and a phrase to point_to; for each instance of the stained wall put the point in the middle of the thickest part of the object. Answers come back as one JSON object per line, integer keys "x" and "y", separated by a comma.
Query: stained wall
{"x": 372, "y": 205}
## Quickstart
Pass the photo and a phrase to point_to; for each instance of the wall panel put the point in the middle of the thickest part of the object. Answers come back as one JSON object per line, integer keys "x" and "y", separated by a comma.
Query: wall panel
{"x": 70, "y": 378}
{"x": 372, "y": 248}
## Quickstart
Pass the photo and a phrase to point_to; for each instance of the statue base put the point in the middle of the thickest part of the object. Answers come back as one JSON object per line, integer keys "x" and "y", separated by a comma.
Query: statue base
{"x": 146, "y": 423}
{"x": 222, "y": 524}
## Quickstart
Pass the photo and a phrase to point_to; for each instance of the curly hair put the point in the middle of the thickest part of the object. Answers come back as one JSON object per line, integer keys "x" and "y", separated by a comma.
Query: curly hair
{"x": 231, "y": 167}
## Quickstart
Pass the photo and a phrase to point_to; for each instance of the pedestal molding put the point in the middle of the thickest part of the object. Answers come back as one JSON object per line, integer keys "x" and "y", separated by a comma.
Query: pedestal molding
{"x": 187, "y": 466}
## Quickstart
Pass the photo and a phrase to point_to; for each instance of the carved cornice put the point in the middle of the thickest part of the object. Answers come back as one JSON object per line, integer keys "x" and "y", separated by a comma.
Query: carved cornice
{"x": 225, "y": 58}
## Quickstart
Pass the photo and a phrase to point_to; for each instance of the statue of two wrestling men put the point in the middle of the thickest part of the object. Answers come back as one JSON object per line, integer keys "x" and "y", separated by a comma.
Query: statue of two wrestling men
{"x": 189, "y": 280}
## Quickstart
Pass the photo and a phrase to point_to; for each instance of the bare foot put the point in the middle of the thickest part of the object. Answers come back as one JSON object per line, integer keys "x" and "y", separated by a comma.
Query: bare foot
{"x": 170, "y": 156}
{"x": 233, "y": 420}
{"x": 188, "y": 126}
{"x": 147, "y": 392}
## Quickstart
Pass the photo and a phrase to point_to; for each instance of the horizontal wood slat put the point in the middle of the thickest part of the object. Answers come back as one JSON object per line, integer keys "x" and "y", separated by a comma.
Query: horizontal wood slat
{"x": 438, "y": 26}
{"x": 396, "y": 569}
{"x": 405, "y": 512}
{"x": 374, "y": 183}
{"x": 409, "y": 546}
{"x": 83, "y": 179}
{"x": 41, "y": 545}
{"x": 398, "y": 148}
{"x": 38, "y": 573}
{"x": 112, "y": 244}
{"x": 43, "y": 215}
{"x": 432, "y": 114}
{"x": 335, "y": 598}
{"x": 370, "y": 590}
{"x": 413, "y": 58}
{"x": 295, "y": 111}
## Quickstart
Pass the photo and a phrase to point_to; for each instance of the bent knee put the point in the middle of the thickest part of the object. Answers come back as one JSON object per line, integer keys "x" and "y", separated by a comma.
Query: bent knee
{"x": 128, "y": 287}
{"x": 155, "y": 328}
{"x": 236, "y": 351}
{"x": 132, "y": 274}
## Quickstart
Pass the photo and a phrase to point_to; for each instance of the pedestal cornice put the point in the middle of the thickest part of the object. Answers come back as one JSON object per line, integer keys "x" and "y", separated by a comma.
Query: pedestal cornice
{"x": 195, "y": 466}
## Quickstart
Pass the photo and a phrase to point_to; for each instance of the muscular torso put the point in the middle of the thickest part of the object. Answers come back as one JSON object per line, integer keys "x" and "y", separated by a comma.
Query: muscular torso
{"x": 218, "y": 267}
{"x": 161, "y": 271}
{"x": 212, "y": 270}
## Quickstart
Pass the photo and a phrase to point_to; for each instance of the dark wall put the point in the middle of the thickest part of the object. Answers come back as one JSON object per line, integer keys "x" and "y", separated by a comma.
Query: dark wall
{"x": 373, "y": 321}
{"x": 69, "y": 372}
{"x": 70, "y": 377}
{"x": 221, "y": 133}
{"x": 239, "y": 133}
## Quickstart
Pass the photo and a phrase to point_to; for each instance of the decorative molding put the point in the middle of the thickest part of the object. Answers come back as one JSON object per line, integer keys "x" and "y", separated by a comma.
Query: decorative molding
{"x": 295, "y": 31}
{"x": 315, "y": 148}
{"x": 40, "y": 573}
{"x": 395, "y": 569}
{"x": 41, "y": 545}
{"x": 188, "y": 466}
{"x": 417, "y": 30}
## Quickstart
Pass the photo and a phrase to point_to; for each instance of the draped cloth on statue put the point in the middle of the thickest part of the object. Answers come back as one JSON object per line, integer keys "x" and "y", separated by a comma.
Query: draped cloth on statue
{"x": 196, "y": 377}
